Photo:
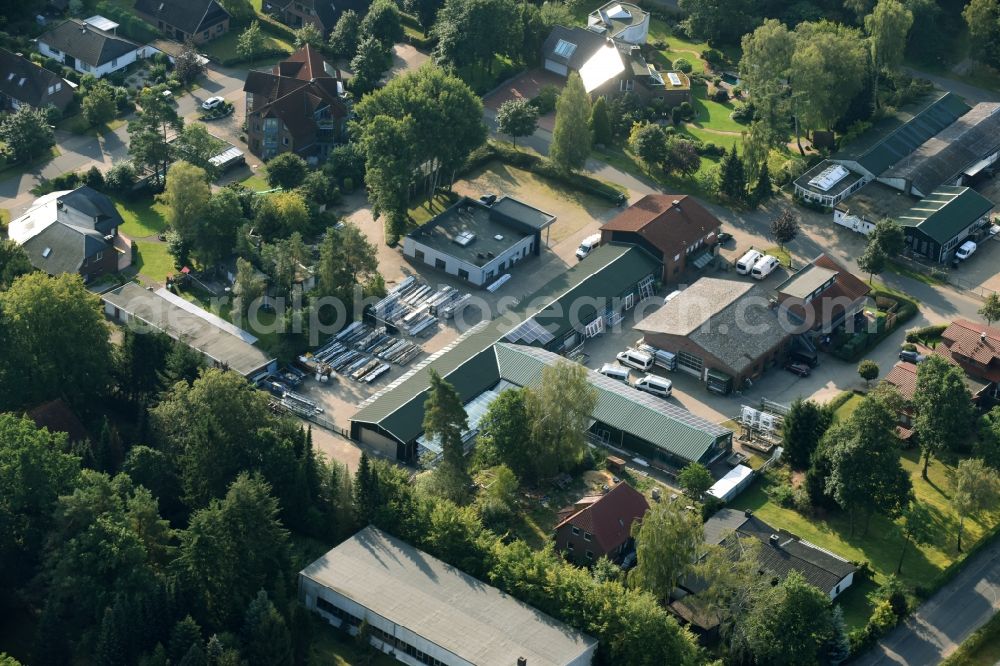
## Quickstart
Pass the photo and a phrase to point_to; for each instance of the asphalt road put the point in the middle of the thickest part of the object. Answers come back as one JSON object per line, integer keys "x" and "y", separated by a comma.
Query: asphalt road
{"x": 942, "y": 623}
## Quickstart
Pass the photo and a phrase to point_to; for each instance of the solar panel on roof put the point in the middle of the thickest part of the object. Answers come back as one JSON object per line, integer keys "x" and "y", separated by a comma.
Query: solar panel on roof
{"x": 529, "y": 332}
{"x": 674, "y": 79}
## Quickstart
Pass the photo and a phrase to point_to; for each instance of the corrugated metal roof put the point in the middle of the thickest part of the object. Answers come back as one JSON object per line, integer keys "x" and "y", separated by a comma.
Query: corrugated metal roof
{"x": 892, "y": 139}
{"x": 469, "y": 363}
{"x": 621, "y": 406}
{"x": 946, "y": 211}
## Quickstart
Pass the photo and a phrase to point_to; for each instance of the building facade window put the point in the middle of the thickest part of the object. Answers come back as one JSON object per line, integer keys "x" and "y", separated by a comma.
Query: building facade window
{"x": 590, "y": 555}
{"x": 587, "y": 536}
{"x": 576, "y": 531}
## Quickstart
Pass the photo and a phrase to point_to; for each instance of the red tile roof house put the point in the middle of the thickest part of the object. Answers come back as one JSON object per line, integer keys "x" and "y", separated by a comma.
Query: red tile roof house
{"x": 675, "y": 228}
{"x": 296, "y": 107}
{"x": 822, "y": 295}
{"x": 903, "y": 376}
{"x": 600, "y": 525}
{"x": 976, "y": 349}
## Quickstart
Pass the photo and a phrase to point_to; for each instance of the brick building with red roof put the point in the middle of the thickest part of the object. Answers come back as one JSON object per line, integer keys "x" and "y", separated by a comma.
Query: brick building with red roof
{"x": 674, "y": 228}
{"x": 822, "y": 295}
{"x": 296, "y": 107}
{"x": 600, "y": 525}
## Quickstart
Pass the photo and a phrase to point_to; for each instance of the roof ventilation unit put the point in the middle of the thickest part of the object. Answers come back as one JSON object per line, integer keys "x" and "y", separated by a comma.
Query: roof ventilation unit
{"x": 465, "y": 238}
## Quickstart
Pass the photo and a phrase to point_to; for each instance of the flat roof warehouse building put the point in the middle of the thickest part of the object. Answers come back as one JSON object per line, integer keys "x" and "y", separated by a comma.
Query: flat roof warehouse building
{"x": 478, "y": 242}
{"x": 423, "y": 611}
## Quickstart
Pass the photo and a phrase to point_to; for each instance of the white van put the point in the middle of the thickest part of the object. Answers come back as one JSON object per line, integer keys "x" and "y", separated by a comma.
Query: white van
{"x": 588, "y": 245}
{"x": 966, "y": 250}
{"x": 748, "y": 261}
{"x": 656, "y": 385}
{"x": 615, "y": 372}
{"x": 636, "y": 359}
{"x": 764, "y": 267}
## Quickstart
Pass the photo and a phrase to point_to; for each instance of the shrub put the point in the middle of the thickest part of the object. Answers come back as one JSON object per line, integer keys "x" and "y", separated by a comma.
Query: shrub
{"x": 782, "y": 494}
{"x": 743, "y": 113}
{"x": 716, "y": 80}
{"x": 120, "y": 178}
{"x": 686, "y": 110}
{"x": 94, "y": 178}
{"x": 682, "y": 65}
{"x": 925, "y": 332}
{"x": 545, "y": 100}
{"x": 721, "y": 95}
{"x": 348, "y": 185}
{"x": 713, "y": 57}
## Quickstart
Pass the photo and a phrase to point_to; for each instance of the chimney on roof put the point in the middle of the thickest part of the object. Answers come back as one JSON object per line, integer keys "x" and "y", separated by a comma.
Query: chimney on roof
{"x": 982, "y": 337}
{"x": 748, "y": 513}
{"x": 774, "y": 539}
{"x": 521, "y": 661}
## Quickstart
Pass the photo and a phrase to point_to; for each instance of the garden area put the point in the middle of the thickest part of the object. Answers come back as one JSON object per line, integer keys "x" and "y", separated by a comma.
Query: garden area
{"x": 887, "y": 310}
{"x": 223, "y": 49}
{"x": 924, "y": 566}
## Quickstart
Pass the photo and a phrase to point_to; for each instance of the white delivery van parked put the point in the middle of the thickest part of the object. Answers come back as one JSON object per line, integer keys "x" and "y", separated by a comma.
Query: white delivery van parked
{"x": 636, "y": 359}
{"x": 656, "y": 385}
{"x": 748, "y": 261}
{"x": 615, "y": 372}
{"x": 966, "y": 250}
{"x": 588, "y": 245}
{"x": 764, "y": 267}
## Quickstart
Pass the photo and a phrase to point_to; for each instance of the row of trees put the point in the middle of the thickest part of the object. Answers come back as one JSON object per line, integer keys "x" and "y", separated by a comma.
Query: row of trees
{"x": 817, "y": 72}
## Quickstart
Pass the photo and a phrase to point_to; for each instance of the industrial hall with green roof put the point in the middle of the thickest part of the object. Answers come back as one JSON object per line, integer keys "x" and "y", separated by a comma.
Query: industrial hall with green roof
{"x": 511, "y": 351}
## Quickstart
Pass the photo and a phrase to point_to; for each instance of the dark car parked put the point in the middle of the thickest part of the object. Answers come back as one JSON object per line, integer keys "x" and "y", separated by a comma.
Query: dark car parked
{"x": 911, "y": 356}
{"x": 800, "y": 369}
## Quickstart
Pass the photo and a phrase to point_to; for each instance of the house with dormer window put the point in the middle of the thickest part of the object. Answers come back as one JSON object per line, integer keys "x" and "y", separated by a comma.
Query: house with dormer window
{"x": 297, "y": 107}
{"x": 23, "y": 82}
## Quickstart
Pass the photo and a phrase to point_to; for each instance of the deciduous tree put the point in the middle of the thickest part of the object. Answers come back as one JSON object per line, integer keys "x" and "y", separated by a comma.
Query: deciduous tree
{"x": 790, "y": 623}
{"x": 976, "y": 490}
{"x": 868, "y": 369}
{"x": 14, "y": 263}
{"x": 990, "y": 310}
{"x": 505, "y": 435}
{"x": 918, "y": 528}
{"x": 600, "y": 122}
{"x": 873, "y": 260}
{"x": 196, "y": 146}
{"x": 148, "y": 132}
{"x": 695, "y": 479}
{"x": 667, "y": 541}
{"x": 560, "y": 407}
{"x": 945, "y": 413}
{"x": 517, "y": 117}
{"x": 345, "y": 35}
{"x": 784, "y": 228}
{"x": 649, "y": 143}
{"x": 983, "y": 19}
{"x": 186, "y": 196}
{"x": 99, "y": 103}
{"x": 887, "y": 27}
{"x": 287, "y": 170}
{"x": 829, "y": 65}
{"x": 383, "y": 23}
{"x": 188, "y": 65}
{"x": 765, "y": 71}
{"x": 308, "y": 34}
{"x": 889, "y": 235}
{"x": 27, "y": 133}
{"x": 250, "y": 42}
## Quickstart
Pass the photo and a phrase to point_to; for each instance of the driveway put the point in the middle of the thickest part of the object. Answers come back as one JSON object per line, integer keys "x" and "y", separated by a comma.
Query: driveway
{"x": 80, "y": 152}
{"x": 525, "y": 85}
{"x": 944, "y": 621}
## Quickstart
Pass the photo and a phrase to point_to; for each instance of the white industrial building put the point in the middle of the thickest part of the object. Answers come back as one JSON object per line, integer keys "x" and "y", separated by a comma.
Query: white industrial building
{"x": 422, "y": 611}
{"x": 478, "y": 242}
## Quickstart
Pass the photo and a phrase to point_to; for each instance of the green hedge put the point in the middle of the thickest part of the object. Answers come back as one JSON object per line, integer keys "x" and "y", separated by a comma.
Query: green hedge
{"x": 839, "y": 400}
{"x": 129, "y": 25}
{"x": 925, "y": 332}
{"x": 861, "y": 343}
{"x": 494, "y": 150}
{"x": 276, "y": 28}
{"x": 263, "y": 55}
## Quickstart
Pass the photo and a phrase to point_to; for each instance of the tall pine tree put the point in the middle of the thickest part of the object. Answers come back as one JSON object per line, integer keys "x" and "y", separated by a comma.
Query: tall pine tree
{"x": 732, "y": 177}
{"x": 763, "y": 189}
{"x": 445, "y": 420}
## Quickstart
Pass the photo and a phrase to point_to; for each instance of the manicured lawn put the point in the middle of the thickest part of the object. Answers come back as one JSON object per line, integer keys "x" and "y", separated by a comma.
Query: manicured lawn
{"x": 480, "y": 80}
{"x": 153, "y": 261}
{"x": 899, "y": 268}
{"x": 257, "y": 181}
{"x": 712, "y": 114}
{"x": 844, "y": 411}
{"x": 980, "y": 649}
{"x": 782, "y": 255}
{"x": 725, "y": 140}
{"x": 883, "y": 543}
{"x": 145, "y": 217}
{"x": 224, "y": 47}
